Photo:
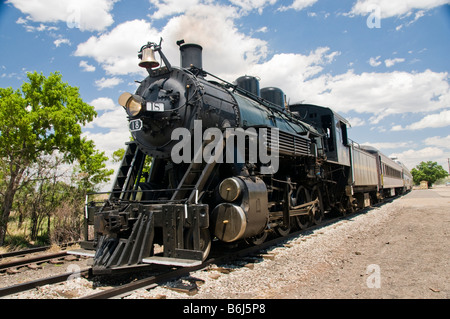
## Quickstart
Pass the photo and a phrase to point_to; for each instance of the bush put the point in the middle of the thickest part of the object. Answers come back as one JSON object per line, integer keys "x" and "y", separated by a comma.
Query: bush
{"x": 67, "y": 222}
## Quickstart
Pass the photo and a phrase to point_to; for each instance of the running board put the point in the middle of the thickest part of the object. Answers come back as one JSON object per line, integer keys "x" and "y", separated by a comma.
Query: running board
{"x": 82, "y": 252}
{"x": 172, "y": 261}
{"x": 149, "y": 260}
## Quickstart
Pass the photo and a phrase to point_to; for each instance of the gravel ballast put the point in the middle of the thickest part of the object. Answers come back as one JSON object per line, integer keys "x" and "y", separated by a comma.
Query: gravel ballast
{"x": 398, "y": 250}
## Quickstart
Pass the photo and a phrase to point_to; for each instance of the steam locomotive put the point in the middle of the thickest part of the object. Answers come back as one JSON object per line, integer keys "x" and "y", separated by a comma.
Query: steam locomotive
{"x": 230, "y": 162}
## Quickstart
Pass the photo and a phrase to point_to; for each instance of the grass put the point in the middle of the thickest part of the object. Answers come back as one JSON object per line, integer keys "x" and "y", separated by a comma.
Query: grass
{"x": 18, "y": 235}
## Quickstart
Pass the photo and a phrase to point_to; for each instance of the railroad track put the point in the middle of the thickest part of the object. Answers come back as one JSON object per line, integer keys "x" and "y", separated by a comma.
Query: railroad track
{"x": 150, "y": 281}
{"x": 15, "y": 289}
{"x": 24, "y": 252}
{"x": 21, "y": 259}
{"x": 168, "y": 275}
{"x": 153, "y": 281}
{"x": 36, "y": 260}
{"x": 32, "y": 260}
{"x": 225, "y": 257}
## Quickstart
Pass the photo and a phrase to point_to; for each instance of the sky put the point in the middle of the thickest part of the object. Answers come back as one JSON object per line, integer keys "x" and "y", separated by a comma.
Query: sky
{"x": 382, "y": 64}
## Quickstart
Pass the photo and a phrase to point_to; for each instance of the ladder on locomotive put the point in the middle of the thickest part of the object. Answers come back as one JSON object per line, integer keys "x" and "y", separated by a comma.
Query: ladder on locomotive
{"x": 196, "y": 176}
{"x": 130, "y": 168}
{"x": 193, "y": 180}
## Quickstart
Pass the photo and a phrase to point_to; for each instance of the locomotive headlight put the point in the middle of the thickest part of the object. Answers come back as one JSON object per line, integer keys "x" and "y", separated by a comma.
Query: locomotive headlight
{"x": 132, "y": 103}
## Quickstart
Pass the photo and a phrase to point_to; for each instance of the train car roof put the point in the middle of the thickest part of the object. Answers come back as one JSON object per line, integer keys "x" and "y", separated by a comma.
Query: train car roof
{"x": 324, "y": 108}
{"x": 369, "y": 148}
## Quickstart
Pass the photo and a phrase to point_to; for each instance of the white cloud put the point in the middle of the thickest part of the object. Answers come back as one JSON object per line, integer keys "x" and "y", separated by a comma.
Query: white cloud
{"x": 110, "y": 142}
{"x": 248, "y": 5}
{"x": 391, "y": 62}
{"x": 298, "y": 5}
{"x": 107, "y": 82}
{"x": 167, "y": 8}
{"x": 104, "y": 104}
{"x": 21, "y": 21}
{"x": 419, "y": 14}
{"x": 356, "y": 121}
{"x": 389, "y": 8}
{"x": 262, "y": 30}
{"x": 86, "y": 66}
{"x": 41, "y": 27}
{"x": 114, "y": 121}
{"x": 436, "y": 149}
{"x": 438, "y": 141}
{"x": 91, "y": 15}
{"x": 60, "y": 41}
{"x": 413, "y": 157}
{"x": 171, "y": 7}
{"x": 441, "y": 119}
{"x": 390, "y": 145}
{"x": 374, "y": 61}
{"x": 380, "y": 94}
{"x": 116, "y": 51}
{"x": 279, "y": 70}
{"x": 396, "y": 128}
{"x": 213, "y": 27}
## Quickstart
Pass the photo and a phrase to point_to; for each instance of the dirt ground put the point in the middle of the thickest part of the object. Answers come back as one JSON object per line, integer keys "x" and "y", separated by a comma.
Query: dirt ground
{"x": 399, "y": 250}
{"x": 409, "y": 257}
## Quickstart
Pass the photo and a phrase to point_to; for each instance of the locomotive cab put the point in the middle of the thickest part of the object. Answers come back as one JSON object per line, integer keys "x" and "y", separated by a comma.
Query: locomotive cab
{"x": 331, "y": 125}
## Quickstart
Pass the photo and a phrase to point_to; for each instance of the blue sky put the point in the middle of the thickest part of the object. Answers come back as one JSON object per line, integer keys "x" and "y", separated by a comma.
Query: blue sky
{"x": 382, "y": 64}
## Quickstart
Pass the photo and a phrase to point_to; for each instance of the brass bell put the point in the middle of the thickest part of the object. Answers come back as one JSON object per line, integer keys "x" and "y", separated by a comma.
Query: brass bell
{"x": 148, "y": 60}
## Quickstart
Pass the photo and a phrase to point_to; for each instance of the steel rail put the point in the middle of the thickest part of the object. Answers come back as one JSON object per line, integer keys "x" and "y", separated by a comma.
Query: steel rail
{"x": 31, "y": 260}
{"x": 167, "y": 276}
{"x": 41, "y": 282}
{"x": 28, "y": 251}
{"x": 150, "y": 281}
{"x": 229, "y": 256}
{"x": 23, "y": 252}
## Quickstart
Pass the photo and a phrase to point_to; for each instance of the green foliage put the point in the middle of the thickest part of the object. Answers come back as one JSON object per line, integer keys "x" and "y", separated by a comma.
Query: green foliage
{"x": 43, "y": 118}
{"x": 428, "y": 171}
{"x": 92, "y": 168}
{"x": 118, "y": 155}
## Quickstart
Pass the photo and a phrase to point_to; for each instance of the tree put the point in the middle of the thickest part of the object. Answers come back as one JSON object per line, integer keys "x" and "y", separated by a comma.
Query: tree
{"x": 118, "y": 155}
{"x": 44, "y": 117}
{"x": 92, "y": 169}
{"x": 428, "y": 171}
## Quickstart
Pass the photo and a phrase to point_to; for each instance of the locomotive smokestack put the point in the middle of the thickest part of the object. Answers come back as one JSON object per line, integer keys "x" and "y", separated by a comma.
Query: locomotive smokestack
{"x": 191, "y": 55}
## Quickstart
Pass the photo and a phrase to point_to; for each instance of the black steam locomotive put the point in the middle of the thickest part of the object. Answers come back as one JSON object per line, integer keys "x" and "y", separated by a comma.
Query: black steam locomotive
{"x": 230, "y": 162}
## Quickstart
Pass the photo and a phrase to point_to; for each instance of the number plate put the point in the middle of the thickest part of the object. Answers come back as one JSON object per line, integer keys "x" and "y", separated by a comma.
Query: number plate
{"x": 135, "y": 125}
{"x": 155, "y": 106}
